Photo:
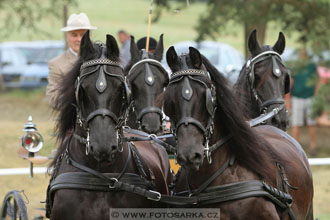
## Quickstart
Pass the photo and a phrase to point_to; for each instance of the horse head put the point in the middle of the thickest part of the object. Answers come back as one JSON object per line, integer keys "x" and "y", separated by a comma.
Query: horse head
{"x": 101, "y": 98}
{"x": 147, "y": 80}
{"x": 190, "y": 103}
{"x": 267, "y": 80}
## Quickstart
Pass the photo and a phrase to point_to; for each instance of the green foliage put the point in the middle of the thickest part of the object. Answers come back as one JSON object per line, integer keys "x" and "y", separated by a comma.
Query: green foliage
{"x": 322, "y": 101}
{"x": 26, "y": 14}
{"x": 309, "y": 18}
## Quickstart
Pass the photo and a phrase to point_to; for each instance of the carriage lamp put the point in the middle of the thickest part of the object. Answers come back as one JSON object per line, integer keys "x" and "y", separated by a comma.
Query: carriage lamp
{"x": 32, "y": 141}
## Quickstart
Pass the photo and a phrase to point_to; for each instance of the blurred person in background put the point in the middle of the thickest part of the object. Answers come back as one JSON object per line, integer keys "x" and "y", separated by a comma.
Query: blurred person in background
{"x": 77, "y": 25}
{"x": 125, "y": 53}
{"x": 303, "y": 92}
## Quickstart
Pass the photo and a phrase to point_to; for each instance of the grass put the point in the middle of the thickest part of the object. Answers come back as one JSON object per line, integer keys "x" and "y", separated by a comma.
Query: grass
{"x": 16, "y": 106}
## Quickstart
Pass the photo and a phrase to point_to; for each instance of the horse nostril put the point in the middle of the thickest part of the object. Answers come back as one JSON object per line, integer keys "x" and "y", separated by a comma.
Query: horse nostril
{"x": 197, "y": 157}
{"x": 91, "y": 148}
{"x": 114, "y": 147}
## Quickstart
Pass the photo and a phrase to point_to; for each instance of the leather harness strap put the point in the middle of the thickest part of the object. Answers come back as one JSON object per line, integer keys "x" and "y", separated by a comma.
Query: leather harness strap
{"x": 87, "y": 181}
{"x": 202, "y": 187}
{"x": 148, "y": 137}
{"x": 231, "y": 192}
{"x": 264, "y": 117}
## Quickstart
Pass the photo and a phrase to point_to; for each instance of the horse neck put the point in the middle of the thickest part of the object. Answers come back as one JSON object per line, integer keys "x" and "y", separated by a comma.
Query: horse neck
{"x": 77, "y": 152}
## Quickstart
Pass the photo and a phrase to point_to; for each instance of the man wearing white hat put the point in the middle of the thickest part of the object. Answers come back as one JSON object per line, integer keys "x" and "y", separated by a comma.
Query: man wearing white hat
{"x": 77, "y": 25}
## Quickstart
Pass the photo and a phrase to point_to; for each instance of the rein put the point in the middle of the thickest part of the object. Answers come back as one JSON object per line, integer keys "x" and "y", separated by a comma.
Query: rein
{"x": 265, "y": 116}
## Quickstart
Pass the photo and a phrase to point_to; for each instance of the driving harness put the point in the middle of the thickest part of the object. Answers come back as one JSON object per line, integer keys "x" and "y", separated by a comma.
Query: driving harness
{"x": 91, "y": 180}
{"x": 91, "y": 67}
{"x": 149, "y": 79}
{"x": 204, "y": 194}
{"x": 264, "y": 105}
{"x": 141, "y": 184}
{"x": 187, "y": 74}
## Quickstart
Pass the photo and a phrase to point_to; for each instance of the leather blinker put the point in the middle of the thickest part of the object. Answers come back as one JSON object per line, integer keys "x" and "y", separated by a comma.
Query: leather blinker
{"x": 276, "y": 69}
{"x": 209, "y": 102}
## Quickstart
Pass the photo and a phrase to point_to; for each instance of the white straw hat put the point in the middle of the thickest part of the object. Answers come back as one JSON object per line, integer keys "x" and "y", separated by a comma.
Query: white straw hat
{"x": 78, "y": 22}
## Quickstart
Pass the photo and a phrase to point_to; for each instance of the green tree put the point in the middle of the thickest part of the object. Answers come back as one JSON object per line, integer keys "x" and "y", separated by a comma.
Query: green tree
{"x": 309, "y": 18}
{"x": 25, "y": 14}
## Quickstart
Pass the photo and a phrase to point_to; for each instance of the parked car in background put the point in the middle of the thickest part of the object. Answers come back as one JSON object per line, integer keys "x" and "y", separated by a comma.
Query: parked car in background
{"x": 25, "y": 64}
{"x": 225, "y": 58}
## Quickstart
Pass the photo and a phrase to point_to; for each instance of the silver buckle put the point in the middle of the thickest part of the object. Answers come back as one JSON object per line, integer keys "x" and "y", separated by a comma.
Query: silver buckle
{"x": 113, "y": 186}
{"x": 208, "y": 153}
{"x": 159, "y": 196}
{"x": 87, "y": 143}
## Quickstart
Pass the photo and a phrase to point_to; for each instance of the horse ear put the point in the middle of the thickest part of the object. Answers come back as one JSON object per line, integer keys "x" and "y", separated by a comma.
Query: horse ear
{"x": 195, "y": 57}
{"x": 159, "y": 49}
{"x": 253, "y": 44}
{"x": 86, "y": 46}
{"x": 133, "y": 48}
{"x": 172, "y": 58}
{"x": 112, "y": 48}
{"x": 280, "y": 44}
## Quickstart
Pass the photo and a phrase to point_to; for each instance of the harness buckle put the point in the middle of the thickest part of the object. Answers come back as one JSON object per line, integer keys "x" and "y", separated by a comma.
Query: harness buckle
{"x": 208, "y": 153}
{"x": 158, "y": 196}
{"x": 152, "y": 137}
{"x": 113, "y": 185}
{"x": 88, "y": 146}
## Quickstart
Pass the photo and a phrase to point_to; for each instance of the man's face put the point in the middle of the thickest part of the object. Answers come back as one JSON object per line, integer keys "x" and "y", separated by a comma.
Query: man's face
{"x": 74, "y": 38}
{"x": 123, "y": 37}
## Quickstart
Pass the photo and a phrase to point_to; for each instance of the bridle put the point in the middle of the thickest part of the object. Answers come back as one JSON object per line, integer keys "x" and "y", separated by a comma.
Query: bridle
{"x": 149, "y": 80}
{"x": 101, "y": 84}
{"x": 276, "y": 58}
{"x": 186, "y": 75}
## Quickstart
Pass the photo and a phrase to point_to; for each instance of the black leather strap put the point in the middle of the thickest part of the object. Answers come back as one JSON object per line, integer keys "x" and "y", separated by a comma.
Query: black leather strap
{"x": 220, "y": 143}
{"x": 189, "y": 120}
{"x": 260, "y": 119}
{"x": 272, "y": 102}
{"x": 104, "y": 112}
{"x": 150, "y": 109}
{"x": 148, "y": 137}
{"x": 202, "y": 187}
{"x": 87, "y": 181}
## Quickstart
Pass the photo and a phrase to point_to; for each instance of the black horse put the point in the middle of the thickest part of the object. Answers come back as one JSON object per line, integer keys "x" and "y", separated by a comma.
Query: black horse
{"x": 94, "y": 170}
{"x": 263, "y": 82}
{"x": 250, "y": 173}
{"x": 147, "y": 80}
